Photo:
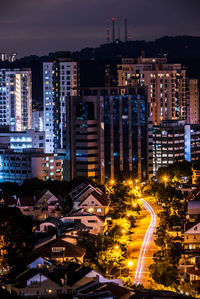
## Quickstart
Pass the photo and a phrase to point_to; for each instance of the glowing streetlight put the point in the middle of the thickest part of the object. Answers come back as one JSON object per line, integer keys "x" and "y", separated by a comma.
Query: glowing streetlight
{"x": 130, "y": 263}
{"x": 112, "y": 182}
{"x": 130, "y": 182}
{"x": 116, "y": 247}
{"x": 165, "y": 179}
{"x": 136, "y": 187}
{"x": 123, "y": 231}
{"x": 137, "y": 181}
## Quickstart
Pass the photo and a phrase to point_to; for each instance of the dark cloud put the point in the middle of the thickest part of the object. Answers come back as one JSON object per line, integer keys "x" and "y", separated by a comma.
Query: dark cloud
{"x": 40, "y": 26}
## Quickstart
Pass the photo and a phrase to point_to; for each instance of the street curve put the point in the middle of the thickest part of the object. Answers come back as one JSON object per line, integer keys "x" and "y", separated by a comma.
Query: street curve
{"x": 145, "y": 243}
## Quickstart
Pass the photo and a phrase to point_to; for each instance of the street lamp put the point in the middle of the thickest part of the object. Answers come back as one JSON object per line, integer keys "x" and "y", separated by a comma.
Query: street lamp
{"x": 130, "y": 264}
{"x": 165, "y": 179}
{"x": 112, "y": 182}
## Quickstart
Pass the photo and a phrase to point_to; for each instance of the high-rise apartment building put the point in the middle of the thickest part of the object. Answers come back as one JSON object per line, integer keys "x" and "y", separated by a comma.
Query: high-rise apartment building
{"x": 38, "y": 120}
{"x": 60, "y": 79}
{"x": 16, "y": 99}
{"x": 175, "y": 141}
{"x": 194, "y": 105}
{"x": 108, "y": 134}
{"x": 166, "y": 85}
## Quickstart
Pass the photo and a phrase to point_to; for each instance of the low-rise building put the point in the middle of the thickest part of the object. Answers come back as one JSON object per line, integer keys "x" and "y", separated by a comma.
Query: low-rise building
{"x": 47, "y": 205}
{"x": 175, "y": 141}
{"x": 15, "y": 167}
{"x": 94, "y": 223}
{"x": 192, "y": 238}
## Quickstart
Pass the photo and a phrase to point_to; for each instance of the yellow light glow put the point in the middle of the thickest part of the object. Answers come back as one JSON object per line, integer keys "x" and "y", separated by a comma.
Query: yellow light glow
{"x": 130, "y": 263}
{"x": 136, "y": 181}
{"x": 165, "y": 178}
{"x": 90, "y": 210}
{"x": 130, "y": 182}
{"x": 136, "y": 187}
{"x": 123, "y": 231}
{"x": 112, "y": 182}
{"x": 139, "y": 195}
{"x": 116, "y": 246}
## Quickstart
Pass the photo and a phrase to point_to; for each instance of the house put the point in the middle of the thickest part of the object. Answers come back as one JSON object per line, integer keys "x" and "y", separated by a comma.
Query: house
{"x": 27, "y": 206}
{"x": 94, "y": 223}
{"x": 59, "y": 250}
{"x": 95, "y": 203}
{"x": 51, "y": 224}
{"x": 44, "y": 279}
{"x": 39, "y": 282}
{"x": 192, "y": 237}
{"x": 73, "y": 231}
{"x": 97, "y": 289}
{"x": 47, "y": 205}
{"x": 193, "y": 273}
{"x": 84, "y": 189}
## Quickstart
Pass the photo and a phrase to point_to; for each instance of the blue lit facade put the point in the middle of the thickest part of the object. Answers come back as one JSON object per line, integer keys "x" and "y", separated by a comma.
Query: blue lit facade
{"x": 175, "y": 141}
{"x": 109, "y": 134}
{"x": 126, "y": 136}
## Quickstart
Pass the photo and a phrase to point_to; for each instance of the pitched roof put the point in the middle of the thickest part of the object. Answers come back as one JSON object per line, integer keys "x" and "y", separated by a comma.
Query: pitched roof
{"x": 70, "y": 250}
{"x": 194, "y": 229}
{"x": 29, "y": 273}
{"x": 26, "y": 201}
{"x": 101, "y": 290}
{"x": 102, "y": 198}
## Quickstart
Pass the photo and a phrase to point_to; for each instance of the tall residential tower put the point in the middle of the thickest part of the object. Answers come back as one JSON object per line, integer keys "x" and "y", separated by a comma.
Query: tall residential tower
{"x": 166, "y": 85}
{"x": 60, "y": 79}
{"x": 16, "y": 99}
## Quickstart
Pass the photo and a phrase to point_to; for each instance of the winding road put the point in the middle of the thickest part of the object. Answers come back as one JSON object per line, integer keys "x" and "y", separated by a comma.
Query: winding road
{"x": 146, "y": 242}
{"x": 142, "y": 245}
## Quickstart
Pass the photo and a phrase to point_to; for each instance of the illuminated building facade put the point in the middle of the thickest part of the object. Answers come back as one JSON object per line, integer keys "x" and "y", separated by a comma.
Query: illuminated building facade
{"x": 18, "y": 141}
{"x": 16, "y": 99}
{"x": 60, "y": 79}
{"x": 38, "y": 120}
{"x": 166, "y": 85}
{"x": 194, "y": 105}
{"x": 175, "y": 141}
{"x": 109, "y": 134}
{"x": 15, "y": 167}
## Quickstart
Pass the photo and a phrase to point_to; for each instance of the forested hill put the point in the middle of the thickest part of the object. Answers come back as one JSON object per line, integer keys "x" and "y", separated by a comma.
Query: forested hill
{"x": 180, "y": 49}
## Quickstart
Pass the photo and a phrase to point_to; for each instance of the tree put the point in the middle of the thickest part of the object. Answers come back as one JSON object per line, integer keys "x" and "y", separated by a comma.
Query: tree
{"x": 164, "y": 274}
{"x": 16, "y": 236}
{"x": 109, "y": 260}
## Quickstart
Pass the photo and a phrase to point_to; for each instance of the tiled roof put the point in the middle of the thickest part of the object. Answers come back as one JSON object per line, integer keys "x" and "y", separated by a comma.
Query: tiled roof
{"x": 27, "y": 201}
{"x": 70, "y": 250}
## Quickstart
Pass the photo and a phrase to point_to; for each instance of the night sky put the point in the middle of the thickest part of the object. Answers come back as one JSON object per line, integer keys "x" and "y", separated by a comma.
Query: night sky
{"x": 42, "y": 26}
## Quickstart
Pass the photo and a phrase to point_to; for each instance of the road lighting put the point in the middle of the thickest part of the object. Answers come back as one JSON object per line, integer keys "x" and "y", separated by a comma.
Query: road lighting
{"x": 165, "y": 179}
{"x": 130, "y": 264}
{"x": 112, "y": 182}
{"x": 130, "y": 182}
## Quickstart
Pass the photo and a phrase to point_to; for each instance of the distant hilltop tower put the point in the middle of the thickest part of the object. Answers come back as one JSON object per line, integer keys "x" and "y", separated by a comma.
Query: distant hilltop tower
{"x": 125, "y": 31}
{"x": 108, "y": 32}
{"x": 113, "y": 30}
